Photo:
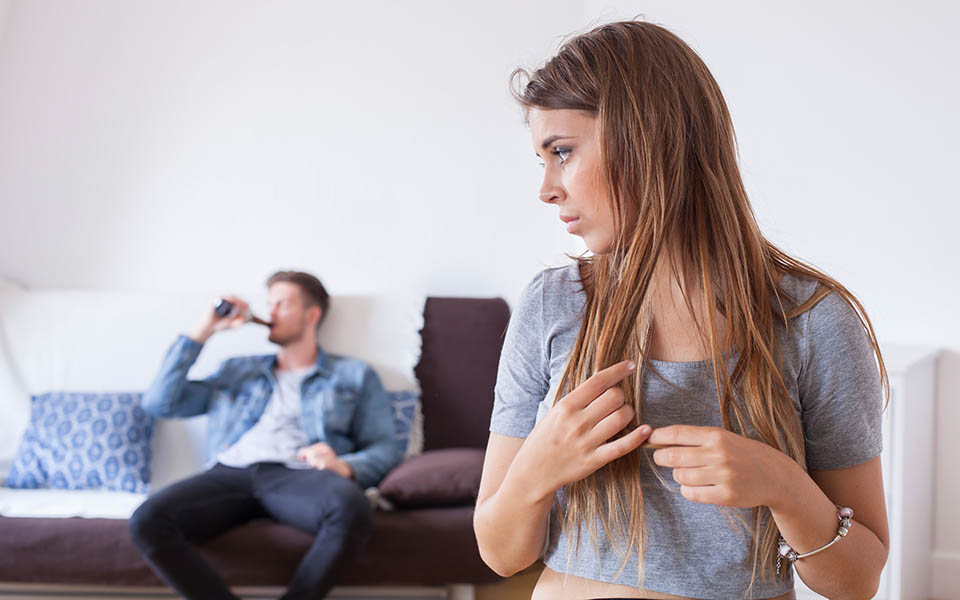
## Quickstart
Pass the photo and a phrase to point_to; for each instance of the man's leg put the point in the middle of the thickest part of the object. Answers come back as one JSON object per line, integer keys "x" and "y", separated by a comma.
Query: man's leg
{"x": 191, "y": 511}
{"x": 322, "y": 503}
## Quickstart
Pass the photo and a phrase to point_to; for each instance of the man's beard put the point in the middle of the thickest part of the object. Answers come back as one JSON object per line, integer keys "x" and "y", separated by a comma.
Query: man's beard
{"x": 282, "y": 340}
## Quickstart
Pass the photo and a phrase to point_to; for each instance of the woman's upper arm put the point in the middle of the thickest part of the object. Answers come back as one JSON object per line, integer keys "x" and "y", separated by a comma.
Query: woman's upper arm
{"x": 840, "y": 391}
{"x": 861, "y": 488}
{"x": 501, "y": 450}
{"x": 839, "y": 388}
{"x": 522, "y": 382}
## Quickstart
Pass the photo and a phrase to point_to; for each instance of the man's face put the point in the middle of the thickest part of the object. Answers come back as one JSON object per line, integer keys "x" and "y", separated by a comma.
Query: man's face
{"x": 291, "y": 317}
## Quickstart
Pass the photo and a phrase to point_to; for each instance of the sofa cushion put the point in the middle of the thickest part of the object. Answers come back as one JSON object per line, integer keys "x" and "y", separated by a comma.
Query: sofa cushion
{"x": 462, "y": 338}
{"x": 84, "y": 441}
{"x": 449, "y": 477}
{"x": 429, "y": 547}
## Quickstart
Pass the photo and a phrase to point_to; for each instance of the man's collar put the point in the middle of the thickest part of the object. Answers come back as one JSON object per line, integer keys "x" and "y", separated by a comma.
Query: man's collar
{"x": 269, "y": 361}
{"x": 323, "y": 363}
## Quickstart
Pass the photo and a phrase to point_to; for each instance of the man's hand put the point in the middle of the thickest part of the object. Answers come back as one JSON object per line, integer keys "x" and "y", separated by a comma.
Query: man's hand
{"x": 322, "y": 456}
{"x": 211, "y": 323}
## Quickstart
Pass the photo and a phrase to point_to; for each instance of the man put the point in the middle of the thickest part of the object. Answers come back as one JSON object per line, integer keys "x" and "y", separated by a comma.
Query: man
{"x": 294, "y": 436}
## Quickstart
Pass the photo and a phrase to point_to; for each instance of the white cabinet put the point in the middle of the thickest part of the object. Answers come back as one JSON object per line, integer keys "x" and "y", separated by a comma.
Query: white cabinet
{"x": 907, "y": 458}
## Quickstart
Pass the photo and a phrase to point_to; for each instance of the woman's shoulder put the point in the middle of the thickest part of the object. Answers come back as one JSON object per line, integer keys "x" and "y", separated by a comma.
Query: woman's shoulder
{"x": 830, "y": 311}
{"x": 554, "y": 296}
{"x": 563, "y": 279}
{"x": 798, "y": 288}
{"x": 830, "y": 330}
{"x": 560, "y": 291}
{"x": 551, "y": 282}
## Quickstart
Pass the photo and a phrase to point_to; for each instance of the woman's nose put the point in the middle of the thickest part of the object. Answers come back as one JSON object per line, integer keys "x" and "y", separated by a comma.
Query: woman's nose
{"x": 549, "y": 192}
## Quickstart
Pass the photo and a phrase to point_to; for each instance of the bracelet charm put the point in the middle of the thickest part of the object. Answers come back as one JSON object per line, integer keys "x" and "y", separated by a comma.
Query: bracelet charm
{"x": 784, "y": 551}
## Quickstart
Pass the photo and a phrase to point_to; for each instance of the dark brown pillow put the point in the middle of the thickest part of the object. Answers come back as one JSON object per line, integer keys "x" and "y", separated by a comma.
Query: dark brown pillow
{"x": 449, "y": 477}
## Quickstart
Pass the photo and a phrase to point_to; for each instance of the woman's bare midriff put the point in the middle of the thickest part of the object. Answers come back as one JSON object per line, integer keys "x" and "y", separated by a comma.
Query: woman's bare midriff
{"x": 557, "y": 586}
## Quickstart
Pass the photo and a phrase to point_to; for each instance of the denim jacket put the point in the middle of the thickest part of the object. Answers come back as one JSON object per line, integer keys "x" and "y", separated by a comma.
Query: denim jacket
{"x": 343, "y": 404}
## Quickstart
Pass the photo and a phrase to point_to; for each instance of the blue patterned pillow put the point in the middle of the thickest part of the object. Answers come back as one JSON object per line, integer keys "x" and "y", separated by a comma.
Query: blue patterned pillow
{"x": 84, "y": 441}
{"x": 405, "y": 408}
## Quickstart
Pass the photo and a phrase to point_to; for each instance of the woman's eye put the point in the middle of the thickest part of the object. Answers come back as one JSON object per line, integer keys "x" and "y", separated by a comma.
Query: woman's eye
{"x": 562, "y": 153}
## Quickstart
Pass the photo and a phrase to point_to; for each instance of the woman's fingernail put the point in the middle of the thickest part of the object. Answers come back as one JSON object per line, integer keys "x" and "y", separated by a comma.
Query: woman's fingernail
{"x": 644, "y": 429}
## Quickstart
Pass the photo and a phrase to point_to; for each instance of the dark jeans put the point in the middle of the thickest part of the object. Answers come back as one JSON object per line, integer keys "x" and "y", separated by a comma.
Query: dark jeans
{"x": 206, "y": 505}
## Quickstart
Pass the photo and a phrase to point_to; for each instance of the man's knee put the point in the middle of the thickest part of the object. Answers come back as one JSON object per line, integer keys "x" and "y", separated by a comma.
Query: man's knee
{"x": 350, "y": 507}
{"x": 150, "y": 526}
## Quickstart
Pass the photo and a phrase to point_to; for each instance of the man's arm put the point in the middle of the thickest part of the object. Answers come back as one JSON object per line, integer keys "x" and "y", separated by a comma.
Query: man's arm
{"x": 171, "y": 394}
{"x": 373, "y": 432}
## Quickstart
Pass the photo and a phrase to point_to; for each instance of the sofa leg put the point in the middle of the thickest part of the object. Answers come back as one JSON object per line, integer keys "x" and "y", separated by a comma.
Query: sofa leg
{"x": 460, "y": 591}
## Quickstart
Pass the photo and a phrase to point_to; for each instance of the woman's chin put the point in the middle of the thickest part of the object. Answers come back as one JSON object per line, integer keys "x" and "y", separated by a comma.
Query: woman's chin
{"x": 596, "y": 248}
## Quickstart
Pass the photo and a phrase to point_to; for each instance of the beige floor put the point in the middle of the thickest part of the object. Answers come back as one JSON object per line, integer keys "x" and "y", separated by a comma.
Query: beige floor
{"x": 518, "y": 587}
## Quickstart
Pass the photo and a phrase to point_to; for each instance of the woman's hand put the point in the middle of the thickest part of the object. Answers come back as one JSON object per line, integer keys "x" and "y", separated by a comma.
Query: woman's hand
{"x": 716, "y": 466}
{"x": 573, "y": 439}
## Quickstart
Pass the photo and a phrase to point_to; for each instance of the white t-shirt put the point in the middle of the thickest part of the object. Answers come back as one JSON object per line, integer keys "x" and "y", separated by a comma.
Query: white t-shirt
{"x": 278, "y": 435}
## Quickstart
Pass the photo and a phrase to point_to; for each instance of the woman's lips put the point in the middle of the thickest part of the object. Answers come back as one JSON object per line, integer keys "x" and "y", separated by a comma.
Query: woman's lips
{"x": 573, "y": 223}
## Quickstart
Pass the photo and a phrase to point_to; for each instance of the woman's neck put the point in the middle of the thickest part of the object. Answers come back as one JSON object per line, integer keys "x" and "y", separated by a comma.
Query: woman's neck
{"x": 680, "y": 328}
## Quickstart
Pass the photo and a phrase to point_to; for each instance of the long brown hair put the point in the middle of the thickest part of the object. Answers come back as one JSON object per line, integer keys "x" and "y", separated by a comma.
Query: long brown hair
{"x": 669, "y": 166}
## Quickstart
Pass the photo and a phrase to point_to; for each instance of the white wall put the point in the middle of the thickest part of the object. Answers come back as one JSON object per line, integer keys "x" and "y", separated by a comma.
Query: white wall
{"x": 198, "y": 145}
{"x": 4, "y": 5}
{"x": 186, "y": 145}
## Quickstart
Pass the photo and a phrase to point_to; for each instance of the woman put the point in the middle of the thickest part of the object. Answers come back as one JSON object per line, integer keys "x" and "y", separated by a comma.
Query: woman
{"x": 671, "y": 405}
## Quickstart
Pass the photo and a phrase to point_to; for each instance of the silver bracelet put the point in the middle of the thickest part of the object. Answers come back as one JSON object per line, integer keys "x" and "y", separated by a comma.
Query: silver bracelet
{"x": 844, "y": 514}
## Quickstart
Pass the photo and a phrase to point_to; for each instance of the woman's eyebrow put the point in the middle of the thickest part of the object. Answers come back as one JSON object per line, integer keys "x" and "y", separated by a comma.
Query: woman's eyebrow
{"x": 546, "y": 143}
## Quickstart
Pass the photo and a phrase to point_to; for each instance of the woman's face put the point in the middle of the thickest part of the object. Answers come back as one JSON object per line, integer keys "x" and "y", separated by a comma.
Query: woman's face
{"x": 566, "y": 142}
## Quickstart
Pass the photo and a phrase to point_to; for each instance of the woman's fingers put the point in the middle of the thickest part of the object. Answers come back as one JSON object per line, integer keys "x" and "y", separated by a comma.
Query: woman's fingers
{"x": 578, "y": 434}
{"x": 686, "y": 435}
{"x": 604, "y": 405}
{"x": 622, "y": 446}
{"x": 611, "y": 425}
{"x": 695, "y": 476}
{"x": 684, "y": 456}
{"x": 598, "y": 383}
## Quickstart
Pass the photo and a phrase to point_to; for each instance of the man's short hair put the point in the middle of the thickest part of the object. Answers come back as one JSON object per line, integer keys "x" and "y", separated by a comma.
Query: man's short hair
{"x": 314, "y": 294}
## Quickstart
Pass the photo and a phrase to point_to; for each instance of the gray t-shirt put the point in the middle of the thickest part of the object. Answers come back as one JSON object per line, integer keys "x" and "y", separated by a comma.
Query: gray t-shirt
{"x": 277, "y": 436}
{"x": 833, "y": 380}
